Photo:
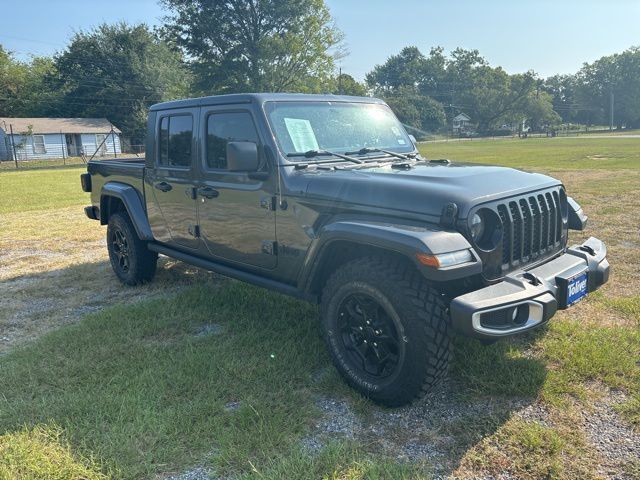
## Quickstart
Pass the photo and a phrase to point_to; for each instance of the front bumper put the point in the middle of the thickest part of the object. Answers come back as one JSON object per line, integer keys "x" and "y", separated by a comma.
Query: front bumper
{"x": 528, "y": 299}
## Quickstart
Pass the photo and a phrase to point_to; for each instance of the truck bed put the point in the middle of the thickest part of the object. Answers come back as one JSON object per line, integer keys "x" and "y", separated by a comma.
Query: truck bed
{"x": 128, "y": 170}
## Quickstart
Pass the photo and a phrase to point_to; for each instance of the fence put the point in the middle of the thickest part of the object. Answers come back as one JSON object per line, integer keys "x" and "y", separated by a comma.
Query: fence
{"x": 29, "y": 150}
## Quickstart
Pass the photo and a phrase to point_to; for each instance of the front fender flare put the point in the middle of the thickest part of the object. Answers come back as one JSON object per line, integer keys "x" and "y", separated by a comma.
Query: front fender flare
{"x": 407, "y": 240}
{"x": 132, "y": 203}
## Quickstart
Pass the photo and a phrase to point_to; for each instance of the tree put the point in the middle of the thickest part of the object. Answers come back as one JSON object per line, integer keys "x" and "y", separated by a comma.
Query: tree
{"x": 422, "y": 113}
{"x": 345, "y": 84}
{"x": 618, "y": 76}
{"x": 24, "y": 86}
{"x": 255, "y": 45}
{"x": 462, "y": 82}
{"x": 562, "y": 89}
{"x": 118, "y": 71}
{"x": 406, "y": 69}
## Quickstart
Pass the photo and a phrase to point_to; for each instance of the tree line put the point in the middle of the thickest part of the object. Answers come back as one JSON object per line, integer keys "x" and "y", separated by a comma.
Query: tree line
{"x": 207, "y": 47}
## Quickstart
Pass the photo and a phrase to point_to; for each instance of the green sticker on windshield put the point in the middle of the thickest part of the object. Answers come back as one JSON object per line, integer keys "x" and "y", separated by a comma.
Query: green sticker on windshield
{"x": 301, "y": 133}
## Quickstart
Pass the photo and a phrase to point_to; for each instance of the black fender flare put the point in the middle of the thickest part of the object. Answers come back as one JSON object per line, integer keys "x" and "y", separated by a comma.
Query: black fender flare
{"x": 406, "y": 240}
{"x": 132, "y": 203}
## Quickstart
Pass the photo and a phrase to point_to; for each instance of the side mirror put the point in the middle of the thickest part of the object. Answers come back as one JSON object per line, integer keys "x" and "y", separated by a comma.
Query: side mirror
{"x": 242, "y": 157}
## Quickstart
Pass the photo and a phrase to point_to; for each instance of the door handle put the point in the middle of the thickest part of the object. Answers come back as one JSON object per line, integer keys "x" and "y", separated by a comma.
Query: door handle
{"x": 163, "y": 186}
{"x": 208, "y": 192}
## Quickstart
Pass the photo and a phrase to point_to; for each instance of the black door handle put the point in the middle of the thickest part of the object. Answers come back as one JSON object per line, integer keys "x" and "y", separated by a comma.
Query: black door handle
{"x": 208, "y": 192}
{"x": 163, "y": 186}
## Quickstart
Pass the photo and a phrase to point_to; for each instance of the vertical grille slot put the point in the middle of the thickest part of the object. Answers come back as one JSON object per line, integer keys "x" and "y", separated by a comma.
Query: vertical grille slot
{"x": 556, "y": 202}
{"x": 507, "y": 234}
{"x": 532, "y": 227}
{"x": 552, "y": 218}
{"x": 517, "y": 231}
{"x": 528, "y": 228}
{"x": 544, "y": 211}
{"x": 537, "y": 225}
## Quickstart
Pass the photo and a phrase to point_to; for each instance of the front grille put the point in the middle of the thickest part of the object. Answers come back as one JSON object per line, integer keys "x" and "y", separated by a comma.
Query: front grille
{"x": 532, "y": 228}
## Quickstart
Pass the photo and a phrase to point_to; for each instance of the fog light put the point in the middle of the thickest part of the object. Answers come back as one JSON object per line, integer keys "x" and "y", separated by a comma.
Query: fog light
{"x": 520, "y": 314}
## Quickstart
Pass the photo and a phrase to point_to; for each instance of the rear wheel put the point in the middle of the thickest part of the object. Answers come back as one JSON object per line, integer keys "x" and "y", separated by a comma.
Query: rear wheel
{"x": 386, "y": 328}
{"x": 131, "y": 260}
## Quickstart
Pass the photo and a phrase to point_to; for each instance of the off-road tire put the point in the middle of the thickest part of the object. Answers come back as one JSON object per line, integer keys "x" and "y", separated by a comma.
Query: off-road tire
{"x": 140, "y": 264}
{"x": 419, "y": 314}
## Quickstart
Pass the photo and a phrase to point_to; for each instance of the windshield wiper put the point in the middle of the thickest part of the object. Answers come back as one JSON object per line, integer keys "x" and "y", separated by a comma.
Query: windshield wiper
{"x": 366, "y": 150}
{"x": 317, "y": 153}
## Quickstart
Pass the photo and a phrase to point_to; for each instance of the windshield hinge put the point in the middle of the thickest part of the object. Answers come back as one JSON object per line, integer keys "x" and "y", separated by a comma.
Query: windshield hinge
{"x": 449, "y": 215}
{"x": 269, "y": 247}
{"x": 268, "y": 203}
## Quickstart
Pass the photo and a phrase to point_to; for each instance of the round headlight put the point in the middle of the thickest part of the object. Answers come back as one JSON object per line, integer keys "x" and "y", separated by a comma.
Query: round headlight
{"x": 485, "y": 228}
{"x": 476, "y": 227}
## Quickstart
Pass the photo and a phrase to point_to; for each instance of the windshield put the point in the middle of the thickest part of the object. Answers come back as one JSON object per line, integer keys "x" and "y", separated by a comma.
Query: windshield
{"x": 335, "y": 126}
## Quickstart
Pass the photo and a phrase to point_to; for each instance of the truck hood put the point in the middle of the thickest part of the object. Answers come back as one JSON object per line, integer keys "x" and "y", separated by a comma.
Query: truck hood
{"x": 424, "y": 188}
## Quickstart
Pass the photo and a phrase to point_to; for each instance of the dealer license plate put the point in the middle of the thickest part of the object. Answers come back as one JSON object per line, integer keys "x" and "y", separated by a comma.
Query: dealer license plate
{"x": 577, "y": 288}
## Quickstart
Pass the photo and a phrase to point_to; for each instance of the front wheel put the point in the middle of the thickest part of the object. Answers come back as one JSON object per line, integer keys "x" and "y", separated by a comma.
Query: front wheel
{"x": 131, "y": 260}
{"x": 386, "y": 328}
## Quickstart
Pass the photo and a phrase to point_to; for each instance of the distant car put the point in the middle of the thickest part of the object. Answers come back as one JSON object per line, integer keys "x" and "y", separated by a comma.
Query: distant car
{"x": 327, "y": 198}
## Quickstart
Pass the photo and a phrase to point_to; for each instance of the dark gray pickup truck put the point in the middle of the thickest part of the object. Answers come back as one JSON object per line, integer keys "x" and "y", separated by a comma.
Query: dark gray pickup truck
{"x": 326, "y": 198}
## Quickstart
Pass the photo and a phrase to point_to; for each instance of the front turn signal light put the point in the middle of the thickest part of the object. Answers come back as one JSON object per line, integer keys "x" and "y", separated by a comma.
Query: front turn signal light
{"x": 445, "y": 259}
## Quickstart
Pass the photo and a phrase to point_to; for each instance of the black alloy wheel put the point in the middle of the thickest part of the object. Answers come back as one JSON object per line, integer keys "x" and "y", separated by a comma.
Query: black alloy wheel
{"x": 369, "y": 336}
{"x": 386, "y": 328}
{"x": 121, "y": 249}
{"x": 131, "y": 260}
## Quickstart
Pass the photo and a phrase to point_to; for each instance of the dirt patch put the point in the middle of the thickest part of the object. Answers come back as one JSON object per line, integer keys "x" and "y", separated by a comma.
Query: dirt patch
{"x": 614, "y": 439}
{"x": 54, "y": 270}
{"x": 436, "y": 430}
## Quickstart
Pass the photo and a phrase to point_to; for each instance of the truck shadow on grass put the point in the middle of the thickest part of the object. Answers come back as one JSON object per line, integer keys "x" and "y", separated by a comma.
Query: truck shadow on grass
{"x": 234, "y": 378}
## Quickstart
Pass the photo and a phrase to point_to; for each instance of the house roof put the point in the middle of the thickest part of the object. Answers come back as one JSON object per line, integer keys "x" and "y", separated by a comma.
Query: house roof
{"x": 462, "y": 116}
{"x": 57, "y": 125}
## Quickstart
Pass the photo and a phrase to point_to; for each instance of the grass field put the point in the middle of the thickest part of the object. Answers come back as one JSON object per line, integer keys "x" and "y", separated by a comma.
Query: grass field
{"x": 198, "y": 373}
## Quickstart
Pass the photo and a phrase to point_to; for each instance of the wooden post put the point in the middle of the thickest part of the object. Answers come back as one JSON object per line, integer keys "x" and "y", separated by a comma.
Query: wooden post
{"x": 13, "y": 145}
{"x": 113, "y": 138}
{"x": 63, "y": 144}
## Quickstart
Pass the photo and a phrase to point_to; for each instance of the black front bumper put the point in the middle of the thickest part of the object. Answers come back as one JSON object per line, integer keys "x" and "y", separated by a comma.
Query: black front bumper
{"x": 528, "y": 299}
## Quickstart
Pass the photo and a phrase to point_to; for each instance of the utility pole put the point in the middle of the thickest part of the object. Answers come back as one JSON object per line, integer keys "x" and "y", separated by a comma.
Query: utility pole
{"x": 340, "y": 81}
{"x": 611, "y": 98}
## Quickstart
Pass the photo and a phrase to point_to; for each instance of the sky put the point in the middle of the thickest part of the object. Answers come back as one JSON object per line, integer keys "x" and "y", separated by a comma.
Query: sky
{"x": 547, "y": 36}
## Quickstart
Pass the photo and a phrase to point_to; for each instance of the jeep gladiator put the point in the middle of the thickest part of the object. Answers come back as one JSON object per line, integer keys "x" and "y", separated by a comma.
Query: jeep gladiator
{"x": 327, "y": 198}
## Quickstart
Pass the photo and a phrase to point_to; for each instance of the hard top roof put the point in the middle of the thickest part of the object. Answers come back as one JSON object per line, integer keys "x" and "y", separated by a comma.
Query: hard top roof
{"x": 259, "y": 98}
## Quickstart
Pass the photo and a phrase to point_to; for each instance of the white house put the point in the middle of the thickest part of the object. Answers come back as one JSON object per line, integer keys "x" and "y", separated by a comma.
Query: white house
{"x": 38, "y": 138}
{"x": 462, "y": 123}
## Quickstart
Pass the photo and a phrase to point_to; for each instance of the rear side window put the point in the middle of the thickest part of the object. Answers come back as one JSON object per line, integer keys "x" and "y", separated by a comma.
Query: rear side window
{"x": 226, "y": 127}
{"x": 175, "y": 140}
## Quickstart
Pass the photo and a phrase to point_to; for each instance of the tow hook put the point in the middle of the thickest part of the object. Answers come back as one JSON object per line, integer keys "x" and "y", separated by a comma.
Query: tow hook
{"x": 533, "y": 280}
{"x": 588, "y": 249}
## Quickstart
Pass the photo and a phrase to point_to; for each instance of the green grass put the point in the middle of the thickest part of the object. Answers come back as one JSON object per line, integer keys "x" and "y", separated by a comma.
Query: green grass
{"x": 29, "y": 190}
{"x": 135, "y": 386}
{"x": 49, "y": 163}
{"x": 338, "y": 461}
{"x": 628, "y": 306}
{"x": 543, "y": 154}
{"x": 529, "y": 450}
{"x": 134, "y": 392}
{"x": 42, "y": 454}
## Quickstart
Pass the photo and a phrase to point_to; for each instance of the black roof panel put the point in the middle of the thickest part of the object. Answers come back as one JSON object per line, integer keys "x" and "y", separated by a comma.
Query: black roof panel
{"x": 259, "y": 98}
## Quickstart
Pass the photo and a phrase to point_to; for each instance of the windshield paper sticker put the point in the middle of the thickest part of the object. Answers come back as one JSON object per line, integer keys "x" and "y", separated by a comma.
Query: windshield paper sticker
{"x": 398, "y": 134}
{"x": 301, "y": 134}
